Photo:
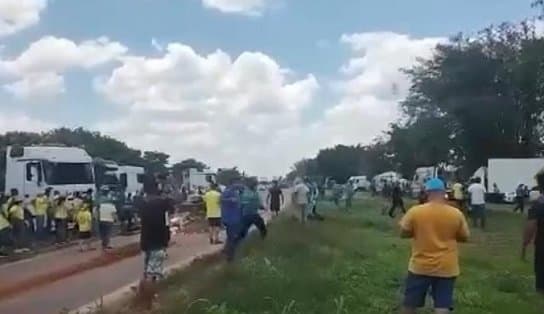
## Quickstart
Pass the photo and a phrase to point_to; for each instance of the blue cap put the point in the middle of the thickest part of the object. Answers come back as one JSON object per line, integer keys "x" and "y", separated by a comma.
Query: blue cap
{"x": 435, "y": 184}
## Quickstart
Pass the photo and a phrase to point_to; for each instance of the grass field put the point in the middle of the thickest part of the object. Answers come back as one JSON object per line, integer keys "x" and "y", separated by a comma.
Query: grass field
{"x": 350, "y": 263}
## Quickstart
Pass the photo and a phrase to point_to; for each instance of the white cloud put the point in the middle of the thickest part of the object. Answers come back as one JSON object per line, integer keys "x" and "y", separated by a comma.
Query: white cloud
{"x": 249, "y": 111}
{"x": 18, "y": 121}
{"x": 45, "y": 85}
{"x": 40, "y": 67}
{"x": 16, "y": 15}
{"x": 372, "y": 85}
{"x": 246, "y": 7}
{"x": 228, "y": 111}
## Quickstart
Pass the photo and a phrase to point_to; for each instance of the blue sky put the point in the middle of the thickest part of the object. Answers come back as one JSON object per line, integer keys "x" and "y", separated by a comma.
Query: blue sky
{"x": 324, "y": 67}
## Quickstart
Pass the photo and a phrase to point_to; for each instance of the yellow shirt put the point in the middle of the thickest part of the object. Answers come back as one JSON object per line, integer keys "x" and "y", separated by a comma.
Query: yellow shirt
{"x": 61, "y": 211}
{"x": 84, "y": 221}
{"x": 458, "y": 191}
{"x": 212, "y": 200}
{"x": 16, "y": 211}
{"x": 435, "y": 230}
{"x": 41, "y": 204}
{"x": 4, "y": 223}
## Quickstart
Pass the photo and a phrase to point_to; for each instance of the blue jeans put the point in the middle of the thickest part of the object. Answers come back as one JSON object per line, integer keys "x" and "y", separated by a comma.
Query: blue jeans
{"x": 478, "y": 214}
{"x": 234, "y": 231}
{"x": 105, "y": 233}
{"x": 417, "y": 287}
{"x": 253, "y": 219}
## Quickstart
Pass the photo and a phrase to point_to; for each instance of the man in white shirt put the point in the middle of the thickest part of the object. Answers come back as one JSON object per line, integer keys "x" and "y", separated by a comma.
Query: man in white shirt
{"x": 301, "y": 198}
{"x": 477, "y": 203}
{"x": 106, "y": 215}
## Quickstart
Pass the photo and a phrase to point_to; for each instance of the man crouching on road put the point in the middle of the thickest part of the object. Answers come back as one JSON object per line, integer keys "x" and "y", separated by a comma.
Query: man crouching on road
{"x": 154, "y": 239}
{"x": 435, "y": 229}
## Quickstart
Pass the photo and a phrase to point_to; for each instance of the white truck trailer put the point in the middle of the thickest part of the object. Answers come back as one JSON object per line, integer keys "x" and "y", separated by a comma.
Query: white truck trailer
{"x": 508, "y": 173}
{"x": 33, "y": 169}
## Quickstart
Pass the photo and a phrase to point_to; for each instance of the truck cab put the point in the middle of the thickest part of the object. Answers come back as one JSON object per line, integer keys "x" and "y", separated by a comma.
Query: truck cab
{"x": 33, "y": 169}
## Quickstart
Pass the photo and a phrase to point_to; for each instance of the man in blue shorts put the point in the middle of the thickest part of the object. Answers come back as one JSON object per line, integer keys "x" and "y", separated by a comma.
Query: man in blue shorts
{"x": 435, "y": 229}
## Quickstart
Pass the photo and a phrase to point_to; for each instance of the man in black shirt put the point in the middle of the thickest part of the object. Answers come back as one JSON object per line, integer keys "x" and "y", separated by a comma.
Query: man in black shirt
{"x": 155, "y": 231}
{"x": 396, "y": 200}
{"x": 534, "y": 232}
{"x": 275, "y": 198}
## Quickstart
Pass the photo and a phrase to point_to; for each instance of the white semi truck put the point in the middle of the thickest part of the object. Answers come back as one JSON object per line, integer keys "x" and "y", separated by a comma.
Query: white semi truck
{"x": 507, "y": 173}
{"x": 33, "y": 169}
{"x": 131, "y": 178}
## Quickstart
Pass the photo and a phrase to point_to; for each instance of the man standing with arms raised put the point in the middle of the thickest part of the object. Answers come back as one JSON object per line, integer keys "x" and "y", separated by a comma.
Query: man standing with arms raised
{"x": 435, "y": 229}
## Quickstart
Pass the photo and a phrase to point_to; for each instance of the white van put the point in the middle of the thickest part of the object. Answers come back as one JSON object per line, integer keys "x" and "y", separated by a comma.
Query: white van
{"x": 359, "y": 183}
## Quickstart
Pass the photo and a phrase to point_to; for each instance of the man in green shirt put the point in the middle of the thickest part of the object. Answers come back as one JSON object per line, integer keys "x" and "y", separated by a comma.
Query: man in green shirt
{"x": 250, "y": 202}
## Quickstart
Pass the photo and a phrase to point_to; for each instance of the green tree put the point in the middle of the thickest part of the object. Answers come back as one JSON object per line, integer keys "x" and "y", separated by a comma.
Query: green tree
{"x": 155, "y": 162}
{"x": 225, "y": 175}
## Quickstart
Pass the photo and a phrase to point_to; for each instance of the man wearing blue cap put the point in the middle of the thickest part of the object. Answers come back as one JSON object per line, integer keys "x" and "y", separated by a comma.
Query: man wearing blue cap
{"x": 435, "y": 229}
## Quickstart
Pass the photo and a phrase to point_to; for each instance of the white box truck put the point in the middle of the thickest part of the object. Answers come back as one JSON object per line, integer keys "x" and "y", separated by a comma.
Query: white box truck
{"x": 33, "y": 169}
{"x": 508, "y": 173}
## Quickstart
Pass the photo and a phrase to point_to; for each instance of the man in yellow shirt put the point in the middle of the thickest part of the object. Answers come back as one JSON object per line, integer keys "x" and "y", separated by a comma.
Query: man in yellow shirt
{"x": 61, "y": 219}
{"x": 435, "y": 229}
{"x": 84, "y": 221}
{"x": 16, "y": 216}
{"x": 212, "y": 200}
{"x": 41, "y": 205}
{"x": 5, "y": 233}
{"x": 458, "y": 195}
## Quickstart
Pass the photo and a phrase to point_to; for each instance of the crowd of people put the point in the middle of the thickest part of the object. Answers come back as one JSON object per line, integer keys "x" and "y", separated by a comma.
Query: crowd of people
{"x": 436, "y": 227}
{"x": 29, "y": 223}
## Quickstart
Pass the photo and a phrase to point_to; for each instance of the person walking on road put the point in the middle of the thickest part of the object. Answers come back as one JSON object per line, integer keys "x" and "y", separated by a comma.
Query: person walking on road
{"x": 396, "y": 200}
{"x": 435, "y": 229}
{"x": 520, "y": 198}
{"x": 106, "y": 218}
{"x": 301, "y": 199}
{"x": 154, "y": 239}
{"x": 275, "y": 198}
{"x": 212, "y": 201}
{"x": 231, "y": 216}
{"x": 534, "y": 233}
{"x": 477, "y": 203}
{"x": 250, "y": 202}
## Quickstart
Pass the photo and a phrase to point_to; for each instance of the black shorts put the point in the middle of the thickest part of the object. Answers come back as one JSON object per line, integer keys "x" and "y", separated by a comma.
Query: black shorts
{"x": 214, "y": 222}
{"x": 539, "y": 269}
{"x": 84, "y": 235}
{"x": 275, "y": 207}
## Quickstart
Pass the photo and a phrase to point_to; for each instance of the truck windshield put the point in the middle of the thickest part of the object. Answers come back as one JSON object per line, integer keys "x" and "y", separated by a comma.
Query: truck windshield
{"x": 68, "y": 173}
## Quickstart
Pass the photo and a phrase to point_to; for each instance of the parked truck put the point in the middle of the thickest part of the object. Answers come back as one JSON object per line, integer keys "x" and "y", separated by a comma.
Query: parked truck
{"x": 33, "y": 169}
{"x": 504, "y": 175}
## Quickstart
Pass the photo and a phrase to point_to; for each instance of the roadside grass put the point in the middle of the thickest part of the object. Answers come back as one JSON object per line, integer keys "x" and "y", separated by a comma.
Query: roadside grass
{"x": 353, "y": 262}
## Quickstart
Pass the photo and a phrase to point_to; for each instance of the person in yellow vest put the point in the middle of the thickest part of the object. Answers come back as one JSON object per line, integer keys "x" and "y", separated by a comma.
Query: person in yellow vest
{"x": 6, "y": 240}
{"x": 16, "y": 216}
{"x": 84, "y": 221}
{"x": 61, "y": 219}
{"x": 41, "y": 206}
{"x": 212, "y": 200}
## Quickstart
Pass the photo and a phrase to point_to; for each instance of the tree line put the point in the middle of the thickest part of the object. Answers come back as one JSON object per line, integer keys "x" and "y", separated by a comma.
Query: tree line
{"x": 479, "y": 96}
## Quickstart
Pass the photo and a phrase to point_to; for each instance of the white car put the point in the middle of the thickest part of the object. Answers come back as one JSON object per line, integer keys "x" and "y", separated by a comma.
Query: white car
{"x": 359, "y": 183}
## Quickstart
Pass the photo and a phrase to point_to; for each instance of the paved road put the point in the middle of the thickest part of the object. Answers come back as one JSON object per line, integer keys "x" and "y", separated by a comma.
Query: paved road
{"x": 80, "y": 289}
